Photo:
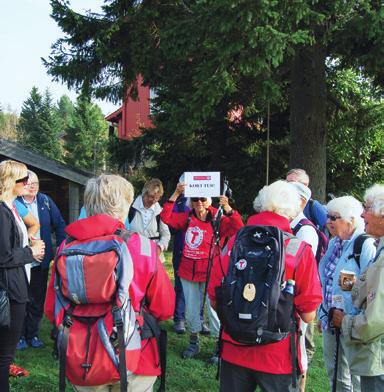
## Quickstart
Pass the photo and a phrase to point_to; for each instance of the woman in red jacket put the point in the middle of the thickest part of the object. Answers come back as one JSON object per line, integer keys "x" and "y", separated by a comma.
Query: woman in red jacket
{"x": 198, "y": 242}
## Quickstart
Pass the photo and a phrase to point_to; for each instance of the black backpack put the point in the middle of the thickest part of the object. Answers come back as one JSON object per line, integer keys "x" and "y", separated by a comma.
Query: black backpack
{"x": 323, "y": 240}
{"x": 253, "y": 304}
{"x": 358, "y": 246}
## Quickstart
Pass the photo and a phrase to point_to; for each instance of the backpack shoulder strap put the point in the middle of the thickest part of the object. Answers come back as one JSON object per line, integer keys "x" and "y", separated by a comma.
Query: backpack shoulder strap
{"x": 131, "y": 213}
{"x": 310, "y": 209}
{"x": 301, "y": 223}
{"x": 158, "y": 223}
{"x": 358, "y": 246}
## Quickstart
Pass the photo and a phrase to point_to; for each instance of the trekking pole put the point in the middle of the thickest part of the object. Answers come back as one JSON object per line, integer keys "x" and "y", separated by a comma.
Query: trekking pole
{"x": 216, "y": 238}
{"x": 336, "y": 366}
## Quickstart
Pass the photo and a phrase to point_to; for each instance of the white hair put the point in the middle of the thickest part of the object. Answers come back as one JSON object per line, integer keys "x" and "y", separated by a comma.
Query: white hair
{"x": 349, "y": 209}
{"x": 374, "y": 196}
{"x": 280, "y": 197}
{"x": 259, "y": 200}
{"x": 188, "y": 202}
{"x": 108, "y": 194}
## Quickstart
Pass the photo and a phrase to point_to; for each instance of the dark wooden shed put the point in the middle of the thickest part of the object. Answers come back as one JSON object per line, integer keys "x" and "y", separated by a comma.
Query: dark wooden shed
{"x": 63, "y": 183}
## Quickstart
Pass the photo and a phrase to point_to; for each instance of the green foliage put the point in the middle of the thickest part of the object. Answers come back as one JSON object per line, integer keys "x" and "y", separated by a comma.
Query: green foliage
{"x": 205, "y": 58}
{"x": 86, "y": 140}
{"x": 356, "y": 133}
{"x": 65, "y": 112}
{"x": 8, "y": 125}
{"x": 38, "y": 125}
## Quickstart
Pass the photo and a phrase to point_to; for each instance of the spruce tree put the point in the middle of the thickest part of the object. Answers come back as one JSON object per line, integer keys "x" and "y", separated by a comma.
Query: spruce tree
{"x": 38, "y": 125}
{"x": 86, "y": 137}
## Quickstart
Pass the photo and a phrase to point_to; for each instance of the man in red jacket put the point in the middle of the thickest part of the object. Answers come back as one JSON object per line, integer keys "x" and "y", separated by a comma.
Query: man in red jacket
{"x": 269, "y": 366}
{"x": 107, "y": 200}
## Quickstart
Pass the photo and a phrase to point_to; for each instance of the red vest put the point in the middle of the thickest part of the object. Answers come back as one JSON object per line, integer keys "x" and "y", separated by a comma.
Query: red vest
{"x": 197, "y": 244}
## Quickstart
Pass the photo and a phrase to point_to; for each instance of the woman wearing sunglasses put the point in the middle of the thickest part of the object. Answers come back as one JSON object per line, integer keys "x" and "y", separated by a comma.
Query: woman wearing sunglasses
{"x": 338, "y": 270}
{"x": 364, "y": 331}
{"x": 14, "y": 255}
{"x": 198, "y": 243}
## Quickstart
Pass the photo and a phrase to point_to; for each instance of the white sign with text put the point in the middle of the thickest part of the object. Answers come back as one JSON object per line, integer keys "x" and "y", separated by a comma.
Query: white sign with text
{"x": 202, "y": 184}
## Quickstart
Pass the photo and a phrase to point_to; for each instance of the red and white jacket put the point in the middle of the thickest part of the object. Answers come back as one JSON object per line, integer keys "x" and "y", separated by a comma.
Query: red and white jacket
{"x": 198, "y": 238}
{"x": 150, "y": 281}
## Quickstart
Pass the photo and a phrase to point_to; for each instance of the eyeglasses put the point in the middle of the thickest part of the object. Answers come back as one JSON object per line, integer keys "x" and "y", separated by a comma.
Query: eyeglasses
{"x": 23, "y": 180}
{"x": 367, "y": 207}
{"x": 196, "y": 199}
{"x": 333, "y": 218}
{"x": 31, "y": 184}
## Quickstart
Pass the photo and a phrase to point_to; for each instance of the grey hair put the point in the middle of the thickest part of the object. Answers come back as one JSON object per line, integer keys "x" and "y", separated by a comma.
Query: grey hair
{"x": 280, "y": 197}
{"x": 32, "y": 174}
{"x": 153, "y": 186}
{"x": 301, "y": 175}
{"x": 375, "y": 197}
{"x": 349, "y": 209}
{"x": 108, "y": 194}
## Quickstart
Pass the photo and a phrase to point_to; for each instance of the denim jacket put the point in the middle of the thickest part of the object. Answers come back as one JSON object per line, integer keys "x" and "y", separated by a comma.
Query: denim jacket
{"x": 343, "y": 299}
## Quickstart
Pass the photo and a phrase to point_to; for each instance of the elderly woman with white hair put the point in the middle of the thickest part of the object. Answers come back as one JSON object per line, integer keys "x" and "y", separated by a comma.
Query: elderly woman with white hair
{"x": 363, "y": 331}
{"x": 346, "y": 225}
{"x": 199, "y": 238}
{"x": 269, "y": 366}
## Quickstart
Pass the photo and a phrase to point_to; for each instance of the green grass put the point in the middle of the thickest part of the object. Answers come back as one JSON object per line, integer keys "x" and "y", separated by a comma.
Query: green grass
{"x": 194, "y": 375}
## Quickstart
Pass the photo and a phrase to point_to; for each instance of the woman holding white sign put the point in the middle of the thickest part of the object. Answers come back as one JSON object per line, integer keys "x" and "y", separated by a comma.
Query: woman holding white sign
{"x": 198, "y": 245}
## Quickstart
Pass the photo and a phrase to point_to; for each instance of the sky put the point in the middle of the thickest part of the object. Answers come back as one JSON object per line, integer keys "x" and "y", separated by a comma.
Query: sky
{"x": 26, "y": 34}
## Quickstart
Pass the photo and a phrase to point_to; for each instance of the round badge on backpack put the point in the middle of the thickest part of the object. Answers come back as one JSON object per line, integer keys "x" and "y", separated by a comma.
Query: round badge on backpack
{"x": 241, "y": 264}
{"x": 249, "y": 292}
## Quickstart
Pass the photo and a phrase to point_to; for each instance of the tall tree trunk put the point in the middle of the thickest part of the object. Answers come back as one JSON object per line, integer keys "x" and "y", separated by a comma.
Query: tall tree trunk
{"x": 308, "y": 116}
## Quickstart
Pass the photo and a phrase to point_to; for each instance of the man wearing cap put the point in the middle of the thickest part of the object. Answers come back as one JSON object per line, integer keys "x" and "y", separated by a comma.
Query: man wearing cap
{"x": 304, "y": 231}
{"x": 314, "y": 210}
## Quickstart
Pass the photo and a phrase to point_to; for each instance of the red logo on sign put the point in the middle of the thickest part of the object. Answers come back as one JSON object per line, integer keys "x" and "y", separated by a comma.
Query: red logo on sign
{"x": 202, "y": 177}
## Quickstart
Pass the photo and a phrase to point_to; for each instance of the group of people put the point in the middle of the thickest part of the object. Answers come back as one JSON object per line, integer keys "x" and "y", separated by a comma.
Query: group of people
{"x": 336, "y": 285}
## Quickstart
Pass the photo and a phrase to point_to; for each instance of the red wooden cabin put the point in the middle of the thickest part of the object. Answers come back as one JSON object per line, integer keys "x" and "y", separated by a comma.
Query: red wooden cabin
{"x": 133, "y": 115}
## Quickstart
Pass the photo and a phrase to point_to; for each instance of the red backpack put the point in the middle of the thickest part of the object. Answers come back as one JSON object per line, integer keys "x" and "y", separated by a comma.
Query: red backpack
{"x": 98, "y": 336}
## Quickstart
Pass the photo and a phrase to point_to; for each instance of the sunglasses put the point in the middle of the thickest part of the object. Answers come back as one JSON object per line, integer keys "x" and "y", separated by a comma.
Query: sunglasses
{"x": 333, "y": 218}
{"x": 23, "y": 180}
{"x": 196, "y": 199}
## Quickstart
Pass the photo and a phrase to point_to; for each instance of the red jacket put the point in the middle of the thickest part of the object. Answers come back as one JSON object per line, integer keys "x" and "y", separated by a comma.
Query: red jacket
{"x": 150, "y": 280}
{"x": 272, "y": 358}
{"x": 198, "y": 238}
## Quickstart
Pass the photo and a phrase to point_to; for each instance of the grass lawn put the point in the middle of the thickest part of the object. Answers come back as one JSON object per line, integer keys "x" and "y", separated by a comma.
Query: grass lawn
{"x": 182, "y": 376}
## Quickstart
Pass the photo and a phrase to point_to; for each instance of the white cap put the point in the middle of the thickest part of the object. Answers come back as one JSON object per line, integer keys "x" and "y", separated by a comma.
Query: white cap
{"x": 302, "y": 190}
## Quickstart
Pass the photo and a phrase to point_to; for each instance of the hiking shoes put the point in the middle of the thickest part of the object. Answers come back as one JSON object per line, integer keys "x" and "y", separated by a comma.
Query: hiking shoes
{"x": 22, "y": 345}
{"x": 35, "y": 342}
{"x": 193, "y": 349}
{"x": 179, "y": 327}
{"x": 205, "y": 329}
{"x": 17, "y": 371}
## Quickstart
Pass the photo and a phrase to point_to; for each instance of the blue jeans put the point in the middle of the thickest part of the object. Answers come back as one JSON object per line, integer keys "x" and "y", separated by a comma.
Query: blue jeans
{"x": 192, "y": 295}
{"x": 179, "y": 313}
{"x": 345, "y": 382}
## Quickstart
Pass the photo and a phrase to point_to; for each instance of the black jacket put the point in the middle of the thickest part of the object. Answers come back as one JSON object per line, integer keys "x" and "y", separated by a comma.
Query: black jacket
{"x": 13, "y": 257}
